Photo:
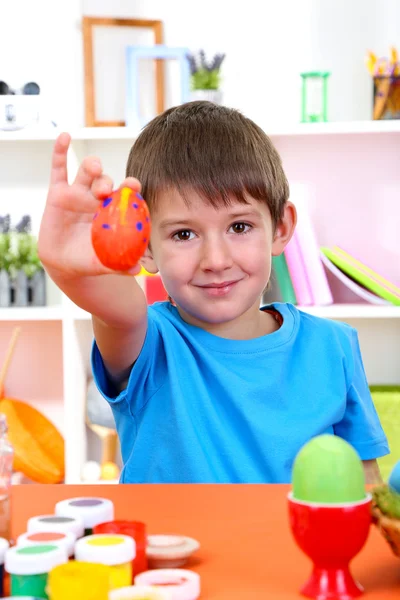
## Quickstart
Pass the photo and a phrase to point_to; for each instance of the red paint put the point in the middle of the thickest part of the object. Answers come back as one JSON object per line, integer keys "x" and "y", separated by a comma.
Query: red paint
{"x": 45, "y": 536}
{"x": 135, "y": 530}
{"x": 121, "y": 230}
{"x": 331, "y": 536}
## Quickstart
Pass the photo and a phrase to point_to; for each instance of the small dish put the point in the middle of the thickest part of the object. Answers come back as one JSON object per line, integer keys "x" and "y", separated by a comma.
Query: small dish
{"x": 169, "y": 551}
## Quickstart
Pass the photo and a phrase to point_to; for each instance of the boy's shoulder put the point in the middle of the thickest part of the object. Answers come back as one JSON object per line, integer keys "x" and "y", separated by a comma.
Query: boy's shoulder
{"x": 309, "y": 324}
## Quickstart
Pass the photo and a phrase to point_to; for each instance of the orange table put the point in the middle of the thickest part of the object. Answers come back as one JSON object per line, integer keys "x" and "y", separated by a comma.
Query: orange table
{"x": 247, "y": 551}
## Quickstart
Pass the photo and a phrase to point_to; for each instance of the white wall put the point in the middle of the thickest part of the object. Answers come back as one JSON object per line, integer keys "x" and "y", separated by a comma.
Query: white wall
{"x": 267, "y": 43}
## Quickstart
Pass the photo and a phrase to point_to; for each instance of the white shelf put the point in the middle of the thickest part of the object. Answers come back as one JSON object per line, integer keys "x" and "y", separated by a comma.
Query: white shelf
{"x": 353, "y": 311}
{"x": 335, "y": 311}
{"x": 128, "y": 133}
{"x": 32, "y": 313}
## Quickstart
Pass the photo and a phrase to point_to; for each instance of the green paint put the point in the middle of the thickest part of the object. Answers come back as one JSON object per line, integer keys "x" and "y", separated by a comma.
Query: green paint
{"x": 328, "y": 470}
{"x": 29, "y": 585}
{"x": 40, "y": 549}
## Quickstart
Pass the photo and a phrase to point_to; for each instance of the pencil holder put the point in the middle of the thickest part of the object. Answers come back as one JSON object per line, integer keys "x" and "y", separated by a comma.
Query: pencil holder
{"x": 386, "y": 97}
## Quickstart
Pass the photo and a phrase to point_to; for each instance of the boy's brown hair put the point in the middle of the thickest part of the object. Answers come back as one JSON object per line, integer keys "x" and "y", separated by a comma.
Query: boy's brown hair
{"x": 213, "y": 150}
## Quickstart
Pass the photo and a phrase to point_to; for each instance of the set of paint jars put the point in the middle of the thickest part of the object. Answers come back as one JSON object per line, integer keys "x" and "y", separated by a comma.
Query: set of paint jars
{"x": 81, "y": 552}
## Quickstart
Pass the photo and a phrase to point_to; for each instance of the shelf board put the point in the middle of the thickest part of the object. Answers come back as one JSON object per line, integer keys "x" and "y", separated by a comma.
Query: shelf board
{"x": 283, "y": 130}
{"x": 354, "y": 311}
{"x": 32, "y": 313}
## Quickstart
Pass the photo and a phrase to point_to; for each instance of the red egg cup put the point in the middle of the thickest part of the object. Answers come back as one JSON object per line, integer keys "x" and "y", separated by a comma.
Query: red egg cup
{"x": 331, "y": 535}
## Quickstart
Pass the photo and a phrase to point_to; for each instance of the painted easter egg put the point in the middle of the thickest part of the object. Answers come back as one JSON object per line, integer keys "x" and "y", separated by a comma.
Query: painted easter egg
{"x": 121, "y": 229}
{"x": 328, "y": 470}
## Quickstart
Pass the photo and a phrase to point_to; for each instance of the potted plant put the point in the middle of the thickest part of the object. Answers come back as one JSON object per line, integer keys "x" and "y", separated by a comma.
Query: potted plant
{"x": 27, "y": 271}
{"x": 206, "y": 77}
{"x": 5, "y": 261}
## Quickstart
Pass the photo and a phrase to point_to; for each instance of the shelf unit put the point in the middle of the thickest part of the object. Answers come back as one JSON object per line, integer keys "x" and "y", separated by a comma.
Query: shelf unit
{"x": 352, "y": 171}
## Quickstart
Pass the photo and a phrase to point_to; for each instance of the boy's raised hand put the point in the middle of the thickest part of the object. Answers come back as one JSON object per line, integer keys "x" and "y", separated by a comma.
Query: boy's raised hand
{"x": 64, "y": 242}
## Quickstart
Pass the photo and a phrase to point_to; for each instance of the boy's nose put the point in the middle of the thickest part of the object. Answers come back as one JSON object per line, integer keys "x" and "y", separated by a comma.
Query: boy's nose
{"x": 216, "y": 256}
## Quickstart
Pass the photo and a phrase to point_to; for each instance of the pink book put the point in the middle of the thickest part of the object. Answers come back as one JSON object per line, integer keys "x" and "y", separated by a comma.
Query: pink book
{"x": 297, "y": 272}
{"x": 318, "y": 282}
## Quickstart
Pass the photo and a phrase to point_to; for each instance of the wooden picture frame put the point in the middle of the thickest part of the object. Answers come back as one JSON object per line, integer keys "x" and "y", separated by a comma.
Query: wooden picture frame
{"x": 88, "y": 23}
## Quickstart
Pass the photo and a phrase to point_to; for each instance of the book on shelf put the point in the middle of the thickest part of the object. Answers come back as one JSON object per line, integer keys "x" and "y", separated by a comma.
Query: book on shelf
{"x": 362, "y": 275}
{"x": 303, "y": 258}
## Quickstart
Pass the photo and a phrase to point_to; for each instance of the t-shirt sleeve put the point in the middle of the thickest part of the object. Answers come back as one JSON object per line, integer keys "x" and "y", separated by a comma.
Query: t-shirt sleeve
{"x": 144, "y": 379}
{"x": 360, "y": 425}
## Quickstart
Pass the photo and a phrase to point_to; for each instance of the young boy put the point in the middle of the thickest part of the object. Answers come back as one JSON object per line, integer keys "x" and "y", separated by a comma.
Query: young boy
{"x": 206, "y": 387}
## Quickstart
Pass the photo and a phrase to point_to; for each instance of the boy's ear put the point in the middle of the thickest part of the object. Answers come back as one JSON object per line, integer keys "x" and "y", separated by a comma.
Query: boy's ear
{"x": 284, "y": 229}
{"x": 147, "y": 261}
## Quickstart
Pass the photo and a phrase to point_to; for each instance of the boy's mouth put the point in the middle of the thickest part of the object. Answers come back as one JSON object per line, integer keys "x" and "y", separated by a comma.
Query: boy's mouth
{"x": 219, "y": 289}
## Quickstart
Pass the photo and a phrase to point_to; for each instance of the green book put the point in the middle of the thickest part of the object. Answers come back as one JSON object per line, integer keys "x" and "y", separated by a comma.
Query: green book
{"x": 283, "y": 278}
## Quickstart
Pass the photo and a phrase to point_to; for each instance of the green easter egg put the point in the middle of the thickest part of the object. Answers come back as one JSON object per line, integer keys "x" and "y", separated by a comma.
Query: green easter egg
{"x": 328, "y": 470}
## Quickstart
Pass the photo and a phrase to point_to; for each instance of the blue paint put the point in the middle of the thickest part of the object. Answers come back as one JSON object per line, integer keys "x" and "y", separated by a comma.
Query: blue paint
{"x": 95, "y": 216}
{"x": 135, "y": 205}
{"x": 106, "y": 202}
{"x": 147, "y": 219}
{"x": 139, "y": 196}
{"x": 144, "y": 240}
{"x": 394, "y": 478}
{"x": 139, "y": 226}
{"x": 106, "y": 226}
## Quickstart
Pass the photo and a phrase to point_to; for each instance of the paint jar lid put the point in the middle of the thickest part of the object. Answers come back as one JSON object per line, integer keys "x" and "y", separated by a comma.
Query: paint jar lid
{"x": 4, "y": 546}
{"x": 106, "y": 549}
{"x": 34, "y": 560}
{"x": 182, "y": 583}
{"x": 54, "y": 538}
{"x": 91, "y": 510}
{"x": 139, "y": 592}
{"x": 57, "y": 524}
{"x": 74, "y": 578}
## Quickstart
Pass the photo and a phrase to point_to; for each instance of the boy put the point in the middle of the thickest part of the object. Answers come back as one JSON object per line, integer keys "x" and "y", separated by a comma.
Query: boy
{"x": 206, "y": 388}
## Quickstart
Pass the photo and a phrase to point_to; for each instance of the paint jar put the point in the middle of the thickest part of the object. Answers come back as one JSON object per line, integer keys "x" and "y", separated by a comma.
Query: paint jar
{"x": 65, "y": 540}
{"x": 79, "y": 581}
{"x": 92, "y": 511}
{"x": 56, "y": 524}
{"x": 181, "y": 583}
{"x": 29, "y": 567}
{"x": 140, "y": 592}
{"x": 4, "y": 546}
{"x": 135, "y": 530}
{"x": 115, "y": 551}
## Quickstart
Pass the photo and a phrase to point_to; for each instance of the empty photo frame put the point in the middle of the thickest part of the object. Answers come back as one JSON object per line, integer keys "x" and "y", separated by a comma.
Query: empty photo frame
{"x": 133, "y": 115}
{"x": 104, "y": 44}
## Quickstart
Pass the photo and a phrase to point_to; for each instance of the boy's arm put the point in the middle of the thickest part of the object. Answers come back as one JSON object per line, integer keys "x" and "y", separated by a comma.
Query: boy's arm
{"x": 116, "y": 301}
{"x": 119, "y": 314}
{"x": 372, "y": 472}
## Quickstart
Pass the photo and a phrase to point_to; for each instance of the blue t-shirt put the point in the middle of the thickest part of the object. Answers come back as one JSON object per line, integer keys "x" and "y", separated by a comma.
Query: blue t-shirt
{"x": 203, "y": 409}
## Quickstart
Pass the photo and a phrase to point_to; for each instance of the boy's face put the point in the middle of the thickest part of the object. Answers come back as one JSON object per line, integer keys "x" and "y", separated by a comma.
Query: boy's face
{"x": 214, "y": 262}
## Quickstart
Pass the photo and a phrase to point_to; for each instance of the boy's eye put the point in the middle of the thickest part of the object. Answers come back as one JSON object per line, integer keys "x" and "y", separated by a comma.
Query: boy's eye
{"x": 240, "y": 227}
{"x": 183, "y": 236}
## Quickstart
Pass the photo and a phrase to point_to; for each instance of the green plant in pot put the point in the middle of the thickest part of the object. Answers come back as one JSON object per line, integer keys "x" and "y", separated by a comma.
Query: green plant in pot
{"x": 205, "y": 76}
{"x": 5, "y": 244}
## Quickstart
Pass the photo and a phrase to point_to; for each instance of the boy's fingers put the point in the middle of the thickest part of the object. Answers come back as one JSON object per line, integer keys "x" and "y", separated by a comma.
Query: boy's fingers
{"x": 132, "y": 183}
{"x": 102, "y": 187}
{"x": 58, "y": 172}
{"x": 89, "y": 170}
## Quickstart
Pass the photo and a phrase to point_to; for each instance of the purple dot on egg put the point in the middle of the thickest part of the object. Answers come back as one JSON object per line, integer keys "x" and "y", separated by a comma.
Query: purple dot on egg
{"x": 106, "y": 202}
{"x": 144, "y": 240}
{"x": 147, "y": 219}
{"x": 139, "y": 196}
{"x": 95, "y": 216}
{"x": 135, "y": 205}
{"x": 139, "y": 226}
{"x": 106, "y": 226}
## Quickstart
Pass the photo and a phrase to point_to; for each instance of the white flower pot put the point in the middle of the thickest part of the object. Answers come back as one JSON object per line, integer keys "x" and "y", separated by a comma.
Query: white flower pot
{"x": 210, "y": 95}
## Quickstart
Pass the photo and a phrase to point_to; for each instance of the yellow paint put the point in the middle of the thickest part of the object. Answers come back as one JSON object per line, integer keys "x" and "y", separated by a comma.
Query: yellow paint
{"x": 120, "y": 576}
{"x": 124, "y": 203}
{"x": 79, "y": 581}
{"x": 109, "y": 540}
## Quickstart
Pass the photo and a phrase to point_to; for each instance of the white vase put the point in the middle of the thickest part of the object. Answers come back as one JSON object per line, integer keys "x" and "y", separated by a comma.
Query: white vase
{"x": 210, "y": 95}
